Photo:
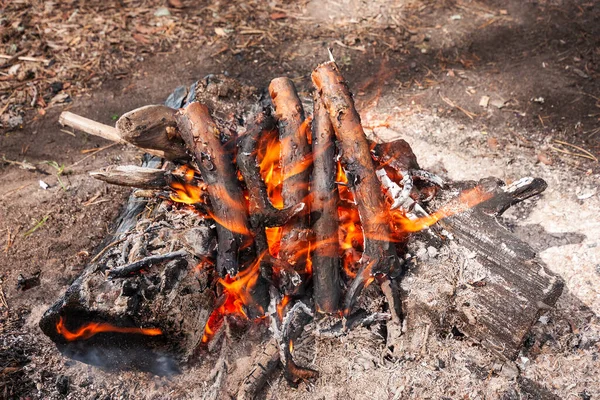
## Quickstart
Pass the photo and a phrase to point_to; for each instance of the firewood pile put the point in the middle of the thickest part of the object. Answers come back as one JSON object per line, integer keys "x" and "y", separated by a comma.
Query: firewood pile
{"x": 252, "y": 219}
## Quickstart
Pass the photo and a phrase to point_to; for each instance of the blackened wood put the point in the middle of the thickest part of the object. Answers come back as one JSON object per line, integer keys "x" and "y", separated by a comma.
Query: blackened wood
{"x": 499, "y": 310}
{"x": 292, "y": 327}
{"x": 153, "y": 127}
{"x": 133, "y": 176}
{"x": 520, "y": 287}
{"x": 201, "y": 135}
{"x": 262, "y": 212}
{"x": 295, "y": 164}
{"x": 379, "y": 254}
{"x": 324, "y": 214}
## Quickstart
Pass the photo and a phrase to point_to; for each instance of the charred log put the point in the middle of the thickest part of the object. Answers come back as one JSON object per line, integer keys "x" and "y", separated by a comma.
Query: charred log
{"x": 379, "y": 256}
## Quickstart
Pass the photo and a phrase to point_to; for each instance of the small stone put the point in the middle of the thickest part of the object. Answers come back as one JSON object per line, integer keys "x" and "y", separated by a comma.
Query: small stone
{"x": 456, "y": 17}
{"x": 509, "y": 370}
{"x": 432, "y": 252}
{"x": 544, "y": 158}
{"x": 524, "y": 363}
{"x": 498, "y": 103}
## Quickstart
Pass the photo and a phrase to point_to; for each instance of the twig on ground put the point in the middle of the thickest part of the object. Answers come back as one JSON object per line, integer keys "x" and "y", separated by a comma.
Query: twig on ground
{"x": 451, "y": 104}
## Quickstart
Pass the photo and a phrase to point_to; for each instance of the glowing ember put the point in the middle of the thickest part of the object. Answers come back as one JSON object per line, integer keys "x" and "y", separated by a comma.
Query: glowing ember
{"x": 90, "y": 329}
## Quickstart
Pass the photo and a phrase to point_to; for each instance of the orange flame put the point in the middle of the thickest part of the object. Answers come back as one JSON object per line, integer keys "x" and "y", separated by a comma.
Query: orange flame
{"x": 465, "y": 201}
{"x": 238, "y": 297}
{"x": 281, "y": 306}
{"x": 188, "y": 191}
{"x": 90, "y": 329}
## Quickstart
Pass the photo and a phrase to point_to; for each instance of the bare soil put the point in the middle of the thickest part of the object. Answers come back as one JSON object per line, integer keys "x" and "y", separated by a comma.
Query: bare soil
{"x": 419, "y": 70}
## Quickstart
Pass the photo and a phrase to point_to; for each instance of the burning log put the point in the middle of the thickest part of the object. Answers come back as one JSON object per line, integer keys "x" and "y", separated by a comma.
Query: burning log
{"x": 379, "y": 256}
{"x": 153, "y": 127}
{"x": 296, "y": 158}
{"x": 511, "y": 285}
{"x": 324, "y": 214}
{"x": 201, "y": 134}
{"x": 152, "y": 321}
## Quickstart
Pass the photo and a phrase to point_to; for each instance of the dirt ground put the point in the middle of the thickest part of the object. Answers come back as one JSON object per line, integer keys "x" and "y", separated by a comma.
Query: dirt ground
{"x": 478, "y": 88}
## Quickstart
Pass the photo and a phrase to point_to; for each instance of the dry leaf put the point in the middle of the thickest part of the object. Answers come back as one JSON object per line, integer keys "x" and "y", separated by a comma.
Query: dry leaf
{"x": 175, "y": 3}
{"x": 220, "y": 32}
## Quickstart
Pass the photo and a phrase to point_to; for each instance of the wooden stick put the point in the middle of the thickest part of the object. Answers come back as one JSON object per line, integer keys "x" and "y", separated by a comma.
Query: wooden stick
{"x": 295, "y": 160}
{"x": 324, "y": 214}
{"x": 87, "y": 125}
{"x": 379, "y": 254}
{"x": 201, "y": 135}
{"x": 92, "y": 127}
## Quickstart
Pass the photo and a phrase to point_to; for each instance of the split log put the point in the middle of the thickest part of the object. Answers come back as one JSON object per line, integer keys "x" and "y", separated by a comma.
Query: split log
{"x": 379, "y": 254}
{"x": 295, "y": 161}
{"x": 499, "y": 294}
{"x": 324, "y": 214}
{"x": 153, "y": 127}
{"x": 134, "y": 176}
{"x": 201, "y": 135}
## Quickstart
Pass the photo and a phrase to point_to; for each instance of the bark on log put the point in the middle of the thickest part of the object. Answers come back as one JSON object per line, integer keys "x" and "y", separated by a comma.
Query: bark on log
{"x": 324, "y": 215}
{"x": 295, "y": 162}
{"x": 379, "y": 254}
{"x": 201, "y": 135}
{"x": 153, "y": 127}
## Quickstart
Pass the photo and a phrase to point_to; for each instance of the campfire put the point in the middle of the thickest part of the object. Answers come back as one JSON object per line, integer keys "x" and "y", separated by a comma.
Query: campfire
{"x": 252, "y": 218}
